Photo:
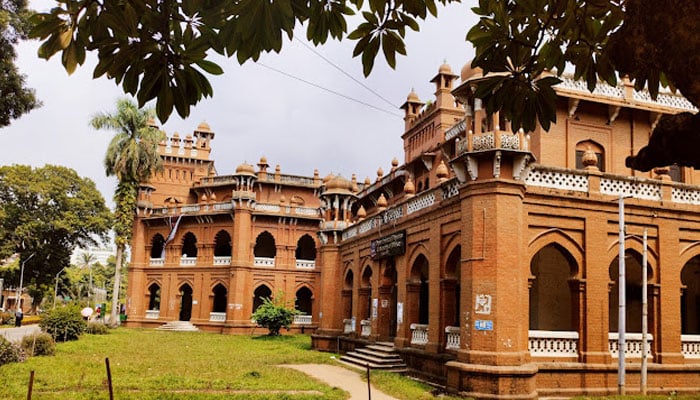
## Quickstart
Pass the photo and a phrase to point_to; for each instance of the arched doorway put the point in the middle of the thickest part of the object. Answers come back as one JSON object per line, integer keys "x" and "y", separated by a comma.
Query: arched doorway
{"x": 261, "y": 292}
{"x": 552, "y": 303}
{"x": 304, "y": 301}
{"x": 690, "y": 297}
{"x": 185, "y": 302}
{"x": 220, "y": 299}
{"x": 388, "y": 293}
{"x": 633, "y": 293}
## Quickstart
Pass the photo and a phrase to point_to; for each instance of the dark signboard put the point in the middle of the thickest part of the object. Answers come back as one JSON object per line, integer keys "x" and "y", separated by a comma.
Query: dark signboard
{"x": 388, "y": 246}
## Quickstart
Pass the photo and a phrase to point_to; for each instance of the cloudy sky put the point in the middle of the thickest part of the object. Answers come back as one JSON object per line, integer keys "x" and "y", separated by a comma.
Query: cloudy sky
{"x": 255, "y": 110}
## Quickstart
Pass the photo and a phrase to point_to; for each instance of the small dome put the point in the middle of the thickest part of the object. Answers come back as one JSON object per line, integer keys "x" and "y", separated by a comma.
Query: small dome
{"x": 442, "y": 171}
{"x": 361, "y": 212}
{"x": 328, "y": 178}
{"x": 277, "y": 168}
{"x": 380, "y": 173}
{"x": 263, "y": 160}
{"x": 338, "y": 183}
{"x": 204, "y": 198}
{"x": 212, "y": 197}
{"x": 409, "y": 187}
{"x": 468, "y": 72}
{"x": 203, "y": 127}
{"x": 413, "y": 97}
{"x": 176, "y": 135}
{"x": 445, "y": 69}
{"x": 245, "y": 168}
{"x": 381, "y": 201}
{"x": 283, "y": 199}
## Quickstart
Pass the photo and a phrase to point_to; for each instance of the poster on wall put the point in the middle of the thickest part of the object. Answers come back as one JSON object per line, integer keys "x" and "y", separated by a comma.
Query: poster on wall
{"x": 399, "y": 313}
{"x": 375, "y": 305}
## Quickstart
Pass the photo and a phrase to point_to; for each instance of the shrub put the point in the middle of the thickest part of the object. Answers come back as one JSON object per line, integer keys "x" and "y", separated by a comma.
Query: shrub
{"x": 10, "y": 352}
{"x": 6, "y": 318}
{"x": 39, "y": 344}
{"x": 63, "y": 324}
{"x": 274, "y": 315}
{"x": 97, "y": 328}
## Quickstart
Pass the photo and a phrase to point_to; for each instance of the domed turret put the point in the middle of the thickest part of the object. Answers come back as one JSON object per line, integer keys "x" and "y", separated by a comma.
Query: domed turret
{"x": 203, "y": 127}
{"x": 468, "y": 72}
{"x": 338, "y": 184}
{"x": 445, "y": 69}
{"x": 245, "y": 169}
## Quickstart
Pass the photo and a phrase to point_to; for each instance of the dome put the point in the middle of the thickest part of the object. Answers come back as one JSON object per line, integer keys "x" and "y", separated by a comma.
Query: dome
{"x": 442, "y": 171}
{"x": 263, "y": 160}
{"x": 245, "y": 168}
{"x": 468, "y": 72}
{"x": 203, "y": 127}
{"x": 338, "y": 184}
{"x": 409, "y": 187}
{"x": 381, "y": 201}
{"x": 327, "y": 178}
{"x": 413, "y": 97}
{"x": 361, "y": 212}
{"x": 445, "y": 69}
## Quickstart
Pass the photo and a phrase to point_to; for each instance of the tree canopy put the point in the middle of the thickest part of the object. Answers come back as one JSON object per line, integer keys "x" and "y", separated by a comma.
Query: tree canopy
{"x": 15, "y": 98}
{"x": 47, "y": 212}
{"x": 157, "y": 49}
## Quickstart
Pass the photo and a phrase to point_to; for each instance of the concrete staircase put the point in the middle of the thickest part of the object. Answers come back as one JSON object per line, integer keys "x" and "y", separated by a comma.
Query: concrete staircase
{"x": 380, "y": 355}
{"x": 179, "y": 326}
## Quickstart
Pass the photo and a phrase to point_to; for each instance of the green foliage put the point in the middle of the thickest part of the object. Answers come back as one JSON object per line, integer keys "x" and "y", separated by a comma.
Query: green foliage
{"x": 9, "y": 352}
{"x": 158, "y": 50}
{"x": 274, "y": 315}
{"x": 6, "y": 318}
{"x": 16, "y": 98}
{"x": 63, "y": 323}
{"x": 44, "y": 213}
{"x": 39, "y": 344}
{"x": 97, "y": 328}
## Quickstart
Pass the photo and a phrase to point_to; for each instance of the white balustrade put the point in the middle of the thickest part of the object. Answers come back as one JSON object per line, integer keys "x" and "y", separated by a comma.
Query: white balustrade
{"x": 685, "y": 195}
{"x": 217, "y": 316}
{"x": 366, "y": 327}
{"x": 419, "y": 334}
{"x": 553, "y": 343}
{"x": 420, "y": 202}
{"x": 306, "y": 264}
{"x": 267, "y": 207}
{"x": 306, "y": 211}
{"x": 157, "y": 262}
{"x": 188, "y": 261}
{"x": 690, "y": 346}
{"x": 152, "y": 314}
{"x": 452, "y": 338}
{"x": 302, "y": 320}
{"x": 558, "y": 179}
{"x": 223, "y": 206}
{"x": 193, "y": 208}
{"x": 348, "y": 325}
{"x": 222, "y": 260}
{"x": 633, "y": 345}
{"x": 639, "y": 189}
{"x": 264, "y": 261}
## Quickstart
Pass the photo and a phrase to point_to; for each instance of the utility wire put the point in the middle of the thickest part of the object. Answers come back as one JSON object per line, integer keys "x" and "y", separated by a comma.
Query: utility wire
{"x": 343, "y": 71}
{"x": 330, "y": 90}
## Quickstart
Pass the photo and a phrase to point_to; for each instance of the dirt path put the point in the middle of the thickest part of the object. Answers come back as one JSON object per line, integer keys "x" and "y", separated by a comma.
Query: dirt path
{"x": 343, "y": 378}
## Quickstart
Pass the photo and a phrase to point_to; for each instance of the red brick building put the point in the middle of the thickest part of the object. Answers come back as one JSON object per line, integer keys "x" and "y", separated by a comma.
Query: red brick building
{"x": 489, "y": 259}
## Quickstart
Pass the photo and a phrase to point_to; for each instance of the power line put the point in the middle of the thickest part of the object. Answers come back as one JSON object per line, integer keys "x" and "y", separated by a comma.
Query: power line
{"x": 343, "y": 71}
{"x": 330, "y": 90}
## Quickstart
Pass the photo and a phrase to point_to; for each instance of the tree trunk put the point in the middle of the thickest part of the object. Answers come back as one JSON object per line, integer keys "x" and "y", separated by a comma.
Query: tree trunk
{"x": 114, "y": 316}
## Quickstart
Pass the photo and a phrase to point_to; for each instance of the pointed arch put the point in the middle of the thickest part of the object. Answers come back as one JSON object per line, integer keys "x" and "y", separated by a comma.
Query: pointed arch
{"x": 306, "y": 248}
{"x": 154, "y": 296}
{"x": 265, "y": 245}
{"x": 157, "y": 246}
{"x": 189, "y": 245}
{"x": 303, "y": 300}
{"x": 220, "y": 298}
{"x": 262, "y": 291}
{"x": 553, "y": 298}
{"x": 222, "y": 244}
{"x": 633, "y": 291}
{"x": 557, "y": 236}
{"x": 690, "y": 296}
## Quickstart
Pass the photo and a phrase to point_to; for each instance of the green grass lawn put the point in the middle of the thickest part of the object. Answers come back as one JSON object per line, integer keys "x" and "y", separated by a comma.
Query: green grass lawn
{"x": 151, "y": 364}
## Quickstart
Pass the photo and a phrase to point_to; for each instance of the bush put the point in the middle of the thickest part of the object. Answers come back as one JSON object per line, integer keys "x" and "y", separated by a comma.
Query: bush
{"x": 97, "y": 328}
{"x": 39, "y": 344}
{"x": 63, "y": 324}
{"x": 9, "y": 352}
{"x": 274, "y": 315}
{"x": 6, "y": 318}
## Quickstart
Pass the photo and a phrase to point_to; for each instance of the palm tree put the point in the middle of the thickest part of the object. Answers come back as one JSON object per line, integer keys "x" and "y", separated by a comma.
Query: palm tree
{"x": 86, "y": 260}
{"x": 132, "y": 156}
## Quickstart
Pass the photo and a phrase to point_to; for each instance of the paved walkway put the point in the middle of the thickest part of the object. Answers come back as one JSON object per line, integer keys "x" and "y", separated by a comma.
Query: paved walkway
{"x": 16, "y": 334}
{"x": 343, "y": 378}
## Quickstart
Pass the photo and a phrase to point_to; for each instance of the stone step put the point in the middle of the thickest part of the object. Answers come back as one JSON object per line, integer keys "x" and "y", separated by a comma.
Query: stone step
{"x": 179, "y": 326}
{"x": 378, "y": 354}
{"x": 363, "y": 364}
{"x": 374, "y": 359}
{"x": 380, "y": 348}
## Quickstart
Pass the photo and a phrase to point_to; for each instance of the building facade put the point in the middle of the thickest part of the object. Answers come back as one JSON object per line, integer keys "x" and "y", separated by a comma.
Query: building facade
{"x": 488, "y": 258}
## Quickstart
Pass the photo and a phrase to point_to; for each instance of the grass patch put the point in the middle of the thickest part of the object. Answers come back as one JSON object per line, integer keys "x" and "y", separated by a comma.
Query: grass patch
{"x": 405, "y": 388}
{"x": 150, "y": 364}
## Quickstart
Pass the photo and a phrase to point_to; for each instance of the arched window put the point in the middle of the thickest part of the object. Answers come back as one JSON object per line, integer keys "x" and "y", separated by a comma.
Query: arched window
{"x": 185, "y": 302}
{"x": 154, "y": 297}
{"x": 633, "y": 293}
{"x": 306, "y": 248}
{"x": 189, "y": 245}
{"x": 262, "y": 292}
{"x": 265, "y": 245}
{"x": 222, "y": 244}
{"x": 597, "y": 149}
{"x": 347, "y": 294}
{"x": 365, "y": 292}
{"x": 303, "y": 301}
{"x": 220, "y": 298}
{"x": 157, "y": 246}
{"x": 551, "y": 300}
{"x": 451, "y": 288}
{"x": 690, "y": 297}
{"x": 419, "y": 275}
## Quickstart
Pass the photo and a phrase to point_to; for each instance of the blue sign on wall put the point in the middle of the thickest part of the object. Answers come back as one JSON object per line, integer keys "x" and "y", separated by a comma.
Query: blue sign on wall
{"x": 483, "y": 325}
